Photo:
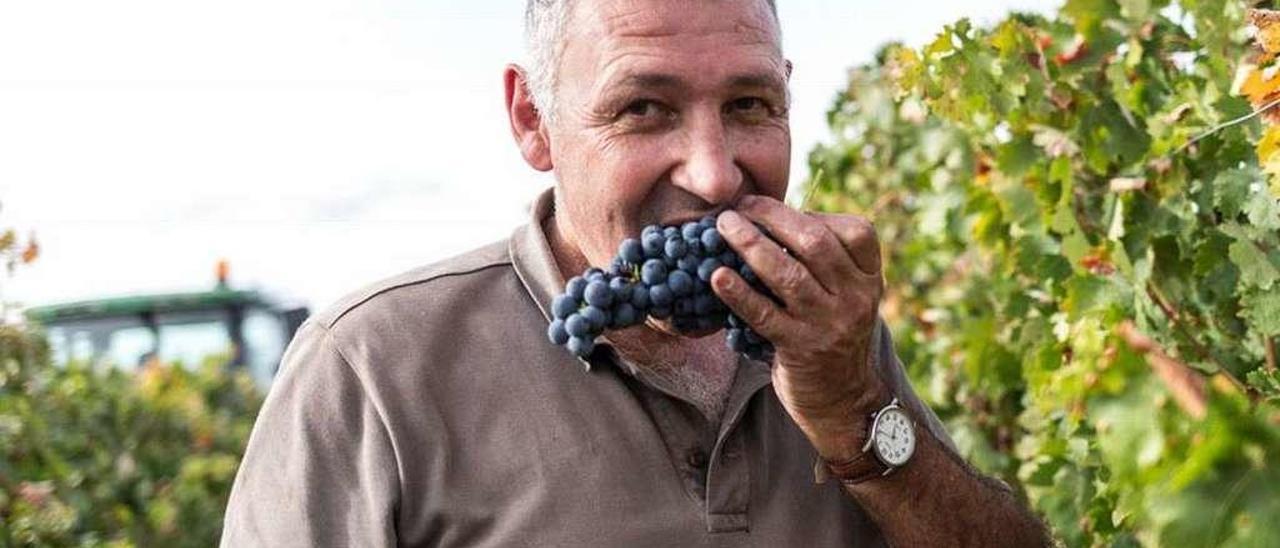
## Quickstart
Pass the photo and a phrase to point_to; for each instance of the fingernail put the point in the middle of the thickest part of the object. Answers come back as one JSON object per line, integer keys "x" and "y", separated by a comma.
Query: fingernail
{"x": 748, "y": 200}
{"x": 730, "y": 221}
{"x": 727, "y": 282}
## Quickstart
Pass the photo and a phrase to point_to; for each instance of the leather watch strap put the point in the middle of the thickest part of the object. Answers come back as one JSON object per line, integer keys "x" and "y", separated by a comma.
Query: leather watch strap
{"x": 860, "y": 468}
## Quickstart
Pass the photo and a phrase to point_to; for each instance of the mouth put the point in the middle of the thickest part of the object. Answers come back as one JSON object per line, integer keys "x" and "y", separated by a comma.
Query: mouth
{"x": 681, "y": 220}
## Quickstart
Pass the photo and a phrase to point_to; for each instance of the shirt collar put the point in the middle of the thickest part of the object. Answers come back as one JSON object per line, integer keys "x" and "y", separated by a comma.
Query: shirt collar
{"x": 534, "y": 263}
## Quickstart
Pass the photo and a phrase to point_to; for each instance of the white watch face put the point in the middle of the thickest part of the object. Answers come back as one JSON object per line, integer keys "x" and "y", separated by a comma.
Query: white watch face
{"x": 895, "y": 438}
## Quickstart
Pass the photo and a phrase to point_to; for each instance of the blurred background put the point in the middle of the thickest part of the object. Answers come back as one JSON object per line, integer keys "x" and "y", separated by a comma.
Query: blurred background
{"x": 1078, "y": 203}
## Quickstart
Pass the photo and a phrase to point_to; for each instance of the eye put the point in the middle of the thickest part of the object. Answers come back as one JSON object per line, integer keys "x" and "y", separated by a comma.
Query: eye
{"x": 749, "y": 103}
{"x": 642, "y": 108}
{"x": 750, "y": 109}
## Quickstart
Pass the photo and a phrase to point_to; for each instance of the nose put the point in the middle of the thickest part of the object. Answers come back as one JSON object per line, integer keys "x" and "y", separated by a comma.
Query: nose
{"x": 708, "y": 168}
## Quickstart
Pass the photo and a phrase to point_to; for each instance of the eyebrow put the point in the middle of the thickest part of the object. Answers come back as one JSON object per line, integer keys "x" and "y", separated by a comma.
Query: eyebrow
{"x": 661, "y": 80}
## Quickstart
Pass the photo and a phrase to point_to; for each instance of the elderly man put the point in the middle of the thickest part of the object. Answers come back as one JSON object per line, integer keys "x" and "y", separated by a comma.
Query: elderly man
{"x": 430, "y": 409}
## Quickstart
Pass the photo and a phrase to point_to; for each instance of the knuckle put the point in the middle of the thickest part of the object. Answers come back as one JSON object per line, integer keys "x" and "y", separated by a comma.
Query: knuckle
{"x": 792, "y": 276}
{"x": 860, "y": 230}
{"x": 750, "y": 237}
{"x": 811, "y": 241}
{"x": 759, "y": 315}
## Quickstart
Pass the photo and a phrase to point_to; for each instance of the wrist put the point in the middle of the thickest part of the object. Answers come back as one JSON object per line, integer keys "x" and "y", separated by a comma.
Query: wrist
{"x": 890, "y": 443}
{"x": 850, "y": 426}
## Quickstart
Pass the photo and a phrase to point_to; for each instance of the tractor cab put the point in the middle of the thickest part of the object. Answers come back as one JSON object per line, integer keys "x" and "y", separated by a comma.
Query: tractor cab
{"x": 247, "y": 327}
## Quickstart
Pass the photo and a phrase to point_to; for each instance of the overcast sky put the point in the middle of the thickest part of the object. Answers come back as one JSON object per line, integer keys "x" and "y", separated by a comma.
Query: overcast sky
{"x": 318, "y": 145}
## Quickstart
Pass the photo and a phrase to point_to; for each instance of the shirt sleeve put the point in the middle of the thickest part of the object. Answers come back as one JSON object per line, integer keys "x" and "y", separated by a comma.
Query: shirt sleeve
{"x": 890, "y": 367}
{"x": 319, "y": 469}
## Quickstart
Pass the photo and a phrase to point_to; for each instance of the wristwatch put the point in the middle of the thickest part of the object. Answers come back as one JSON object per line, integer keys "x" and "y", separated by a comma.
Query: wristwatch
{"x": 890, "y": 444}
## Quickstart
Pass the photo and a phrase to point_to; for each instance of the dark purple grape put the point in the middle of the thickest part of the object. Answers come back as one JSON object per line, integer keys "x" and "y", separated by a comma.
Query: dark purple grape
{"x": 577, "y": 326}
{"x": 683, "y": 307}
{"x": 707, "y": 268}
{"x": 653, "y": 272}
{"x": 680, "y": 282}
{"x": 596, "y": 317}
{"x": 575, "y": 287}
{"x": 690, "y": 230}
{"x": 675, "y": 248}
{"x": 712, "y": 242}
{"x": 640, "y": 297}
{"x": 557, "y": 333}
{"x": 581, "y": 346}
{"x": 660, "y": 296}
{"x": 598, "y": 294}
{"x": 730, "y": 259}
{"x": 563, "y": 306}
{"x": 616, "y": 268}
{"x": 631, "y": 251}
{"x": 664, "y": 274}
{"x": 688, "y": 263}
{"x": 621, "y": 289}
{"x": 695, "y": 247}
{"x": 703, "y": 304}
{"x": 625, "y": 315}
{"x": 652, "y": 245}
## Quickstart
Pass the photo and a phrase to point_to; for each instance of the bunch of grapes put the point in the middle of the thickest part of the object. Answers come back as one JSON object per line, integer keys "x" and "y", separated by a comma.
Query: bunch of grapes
{"x": 665, "y": 274}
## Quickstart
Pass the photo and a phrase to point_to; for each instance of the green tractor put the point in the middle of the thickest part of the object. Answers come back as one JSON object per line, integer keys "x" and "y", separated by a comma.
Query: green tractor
{"x": 250, "y": 328}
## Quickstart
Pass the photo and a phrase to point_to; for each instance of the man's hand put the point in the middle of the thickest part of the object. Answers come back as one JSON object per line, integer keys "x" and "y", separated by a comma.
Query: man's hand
{"x": 829, "y": 283}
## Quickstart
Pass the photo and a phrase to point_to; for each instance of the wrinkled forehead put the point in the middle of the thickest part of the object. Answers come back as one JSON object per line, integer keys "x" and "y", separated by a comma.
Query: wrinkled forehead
{"x": 600, "y": 23}
{"x": 699, "y": 42}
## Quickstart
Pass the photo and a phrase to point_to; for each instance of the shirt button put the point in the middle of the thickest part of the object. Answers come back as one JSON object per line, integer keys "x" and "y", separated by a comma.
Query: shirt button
{"x": 697, "y": 458}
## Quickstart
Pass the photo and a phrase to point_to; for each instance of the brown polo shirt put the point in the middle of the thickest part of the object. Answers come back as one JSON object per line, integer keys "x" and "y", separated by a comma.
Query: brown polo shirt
{"x": 430, "y": 410}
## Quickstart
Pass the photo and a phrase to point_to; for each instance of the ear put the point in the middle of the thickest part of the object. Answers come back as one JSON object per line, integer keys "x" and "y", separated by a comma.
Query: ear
{"x": 789, "y": 67}
{"x": 526, "y": 121}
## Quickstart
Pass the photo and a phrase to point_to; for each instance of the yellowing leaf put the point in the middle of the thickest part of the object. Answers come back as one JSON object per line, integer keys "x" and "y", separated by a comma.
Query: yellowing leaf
{"x": 1258, "y": 84}
{"x": 1268, "y": 149}
{"x": 1261, "y": 86}
{"x": 1268, "y": 24}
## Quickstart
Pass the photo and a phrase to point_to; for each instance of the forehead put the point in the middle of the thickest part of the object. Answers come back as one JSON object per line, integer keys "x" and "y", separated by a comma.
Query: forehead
{"x": 611, "y": 36}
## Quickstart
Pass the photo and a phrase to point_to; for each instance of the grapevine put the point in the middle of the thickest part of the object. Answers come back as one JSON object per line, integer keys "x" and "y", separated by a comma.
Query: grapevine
{"x": 1081, "y": 220}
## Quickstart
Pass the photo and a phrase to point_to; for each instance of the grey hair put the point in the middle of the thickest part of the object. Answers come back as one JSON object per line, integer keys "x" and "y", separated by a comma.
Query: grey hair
{"x": 544, "y": 26}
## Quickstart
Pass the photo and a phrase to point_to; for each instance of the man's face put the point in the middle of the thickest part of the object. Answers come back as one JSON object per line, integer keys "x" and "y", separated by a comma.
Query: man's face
{"x": 668, "y": 110}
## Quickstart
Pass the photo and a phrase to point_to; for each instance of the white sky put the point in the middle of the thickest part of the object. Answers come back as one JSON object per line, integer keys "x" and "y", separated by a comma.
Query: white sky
{"x": 318, "y": 145}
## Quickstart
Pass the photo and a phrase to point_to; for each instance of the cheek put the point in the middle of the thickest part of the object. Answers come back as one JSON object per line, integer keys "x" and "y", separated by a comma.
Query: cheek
{"x": 607, "y": 192}
{"x": 768, "y": 159}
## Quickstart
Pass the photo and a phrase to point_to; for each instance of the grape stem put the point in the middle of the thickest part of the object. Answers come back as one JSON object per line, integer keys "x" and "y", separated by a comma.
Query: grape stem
{"x": 1186, "y": 386}
{"x": 1270, "y": 344}
{"x": 1262, "y": 109}
{"x": 1178, "y": 320}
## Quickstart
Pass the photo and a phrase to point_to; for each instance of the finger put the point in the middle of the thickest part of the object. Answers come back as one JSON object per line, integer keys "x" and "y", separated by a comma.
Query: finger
{"x": 787, "y": 277}
{"x": 858, "y": 236}
{"x": 808, "y": 239}
{"x": 759, "y": 311}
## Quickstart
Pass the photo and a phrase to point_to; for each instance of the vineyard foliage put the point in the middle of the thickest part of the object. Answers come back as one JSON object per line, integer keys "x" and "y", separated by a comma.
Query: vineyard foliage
{"x": 109, "y": 458}
{"x": 1083, "y": 257}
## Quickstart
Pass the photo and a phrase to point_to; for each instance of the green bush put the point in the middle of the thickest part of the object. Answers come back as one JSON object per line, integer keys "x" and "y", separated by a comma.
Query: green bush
{"x": 115, "y": 458}
{"x": 1085, "y": 294}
